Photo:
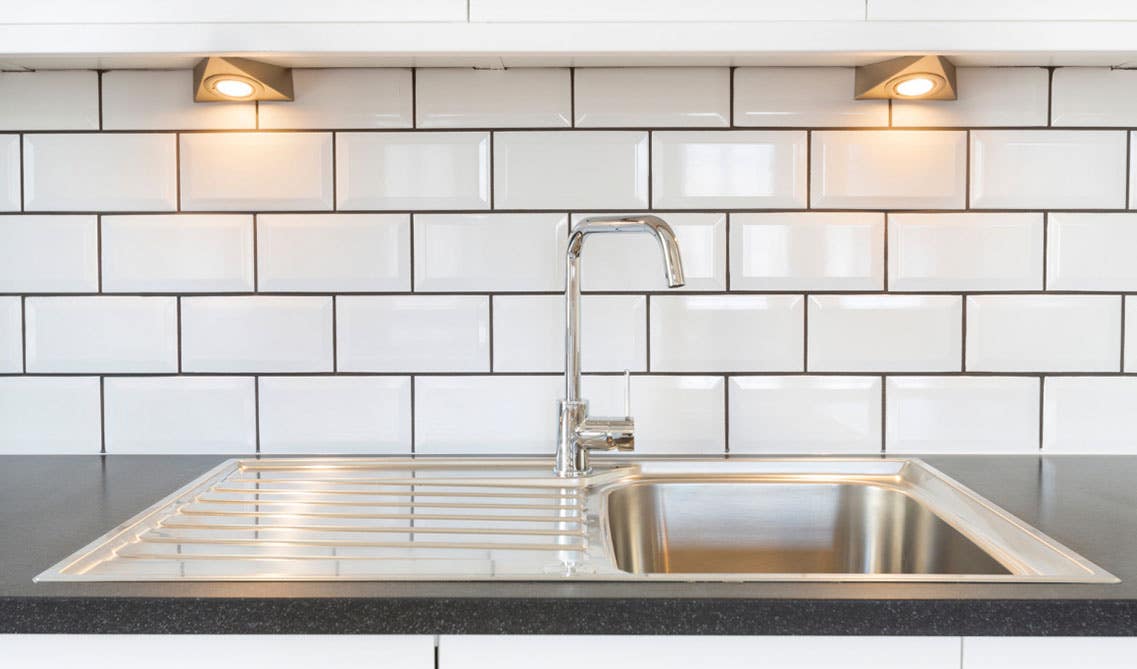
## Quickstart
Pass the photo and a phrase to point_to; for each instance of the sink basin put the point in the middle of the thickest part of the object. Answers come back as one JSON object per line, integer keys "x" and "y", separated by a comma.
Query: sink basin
{"x": 779, "y": 528}
{"x": 634, "y": 519}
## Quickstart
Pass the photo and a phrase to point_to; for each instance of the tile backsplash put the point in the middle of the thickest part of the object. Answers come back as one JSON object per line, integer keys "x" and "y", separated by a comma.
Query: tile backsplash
{"x": 377, "y": 267}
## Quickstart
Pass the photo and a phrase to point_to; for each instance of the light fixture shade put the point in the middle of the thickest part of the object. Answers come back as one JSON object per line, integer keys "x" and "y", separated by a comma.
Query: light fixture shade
{"x": 880, "y": 80}
{"x": 268, "y": 82}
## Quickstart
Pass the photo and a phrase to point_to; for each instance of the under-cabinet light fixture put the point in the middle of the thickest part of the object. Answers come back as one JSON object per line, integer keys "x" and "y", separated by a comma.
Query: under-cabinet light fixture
{"x": 218, "y": 79}
{"x": 907, "y": 77}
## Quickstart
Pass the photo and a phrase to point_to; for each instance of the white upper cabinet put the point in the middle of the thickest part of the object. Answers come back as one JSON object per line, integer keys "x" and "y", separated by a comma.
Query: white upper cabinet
{"x": 666, "y": 10}
{"x": 1006, "y": 10}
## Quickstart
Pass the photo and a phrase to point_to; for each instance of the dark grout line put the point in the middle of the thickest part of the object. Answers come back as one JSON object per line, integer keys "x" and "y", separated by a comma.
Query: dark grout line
{"x": 99, "y": 90}
{"x": 177, "y": 172}
{"x": 1050, "y": 97}
{"x": 178, "y": 328}
{"x": 257, "y": 414}
{"x": 1123, "y": 301}
{"x": 24, "y": 333}
{"x": 412, "y": 414}
{"x": 963, "y": 334}
{"x": 730, "y": 112}
{"x": 656, "y": 373}
{"x": 335, "y": 338}
{"x": 21, "y": 158}
{"x": 1041, "y": 410}
{"x": 884, "y": 255}
{"x": 1129, "y": 169}
{"x": 102, "y": 415}
{"x": 335, "y": 172}
{"x": 99, "y": 252}
{"x": 572, "y": 97}
{"x": 726, "y": 415}
{"x": 1045, "y": 245}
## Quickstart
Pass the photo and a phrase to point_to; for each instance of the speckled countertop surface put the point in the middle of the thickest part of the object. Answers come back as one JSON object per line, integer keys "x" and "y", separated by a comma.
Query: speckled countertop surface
{"x": 52, "y": 505}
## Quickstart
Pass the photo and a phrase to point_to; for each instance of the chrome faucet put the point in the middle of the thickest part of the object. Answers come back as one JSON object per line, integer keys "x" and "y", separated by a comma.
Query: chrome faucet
{"x": 577, "y": 433}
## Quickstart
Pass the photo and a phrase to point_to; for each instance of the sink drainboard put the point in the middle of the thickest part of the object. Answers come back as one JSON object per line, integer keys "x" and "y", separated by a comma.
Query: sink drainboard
{"x": 343, "y": 519}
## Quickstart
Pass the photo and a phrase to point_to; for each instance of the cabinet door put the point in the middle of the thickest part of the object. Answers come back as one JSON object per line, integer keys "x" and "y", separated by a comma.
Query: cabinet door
{"x": 131, "y": 651}
{"x": 1049, "y": 653}
{"x": 676, "y": 652}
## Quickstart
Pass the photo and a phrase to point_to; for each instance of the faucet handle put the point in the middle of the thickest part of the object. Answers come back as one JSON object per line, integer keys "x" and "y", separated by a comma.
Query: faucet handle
{"x": 627, "y": 393}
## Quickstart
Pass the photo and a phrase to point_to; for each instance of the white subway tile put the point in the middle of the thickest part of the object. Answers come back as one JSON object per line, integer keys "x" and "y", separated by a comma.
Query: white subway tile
{"x": 988, "y": 96}
{"x": 9, "y": 172}
{"x": 961, "y": 415}
{"x": 805, "y": 414}
{"x": 163, "y": 100}
{"x": 807, "y": 251}
{"x": 889, "y": 169}
{"x": 1130, "y": 342}
{"x": 327, "y": 414}
{"x": 343, "y": 98}
{"x": 333, "y": 252}
{"x": 1043, "y": 333}
{"x": 513, "y": 98}
{"x": 1047, "y": 169}
{"x": 634, "y": 262}
{"x": 529, "y": 333}
{"x": 945, "y": 252}
{"x": 262, "y": 171}
{"x": 652, "y": 96}
{"x": 1094, "y": 96}
{"x": 884, "y": 333}
{"x": 112, "y": 172}
{"x": 46, "y": 254}
{"x": 422, "y": 170}
{"x": 726, "y": 333}
{"x": 413, "y": 333}
{"x": 493, "y": 252}
{"x": 101, "y": 334}
{"x": 735, "y": 169}
{"x": 513, "y": 414}
{"x": 257, "y": 334}
{"x": 1089, "y": 415}
{"x": 1091, "y": 252}
{"x": 188, "y": 253}
{"x": 47, "y": 100}
{"x": 44, "y": 415}
{"x": 673, "y": 414}
{"x": 562, "y": 170}
{"x": 11, "y": 335}
{"x": 801, "y": 97}
{"x": 180, "y": 414}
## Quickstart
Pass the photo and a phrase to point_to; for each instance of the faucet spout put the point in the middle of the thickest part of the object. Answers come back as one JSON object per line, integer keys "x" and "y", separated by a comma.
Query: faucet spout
{"x": 577, "y": 433}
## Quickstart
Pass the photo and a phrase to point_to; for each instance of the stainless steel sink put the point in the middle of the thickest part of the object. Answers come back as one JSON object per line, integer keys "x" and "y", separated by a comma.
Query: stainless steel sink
{"x": 707, "y": 527}
{"x": 634, "y": 519}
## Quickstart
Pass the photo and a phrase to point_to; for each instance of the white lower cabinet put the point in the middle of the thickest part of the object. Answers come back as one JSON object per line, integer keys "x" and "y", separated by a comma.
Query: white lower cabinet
{"x": 1049, "y": 653}
{"x": 678, "y": 652}
{"x": 130, "y": 651}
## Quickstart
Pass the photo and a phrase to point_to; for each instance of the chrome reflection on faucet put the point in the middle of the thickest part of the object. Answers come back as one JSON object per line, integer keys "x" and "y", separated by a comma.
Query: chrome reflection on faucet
{"x": 577, "y": 433}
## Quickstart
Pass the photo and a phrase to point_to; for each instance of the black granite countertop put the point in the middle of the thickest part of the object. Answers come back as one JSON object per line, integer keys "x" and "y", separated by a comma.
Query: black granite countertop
{"x": 51, "y": 506}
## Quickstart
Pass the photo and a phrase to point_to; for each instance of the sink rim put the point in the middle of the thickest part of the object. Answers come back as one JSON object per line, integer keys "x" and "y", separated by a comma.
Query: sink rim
{"x": 597, "y": 561}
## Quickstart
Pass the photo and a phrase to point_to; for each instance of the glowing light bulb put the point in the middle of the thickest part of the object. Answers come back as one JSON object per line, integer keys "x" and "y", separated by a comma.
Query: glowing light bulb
{"x": 915, "y": 87}
{"x": 233, "y": 88}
